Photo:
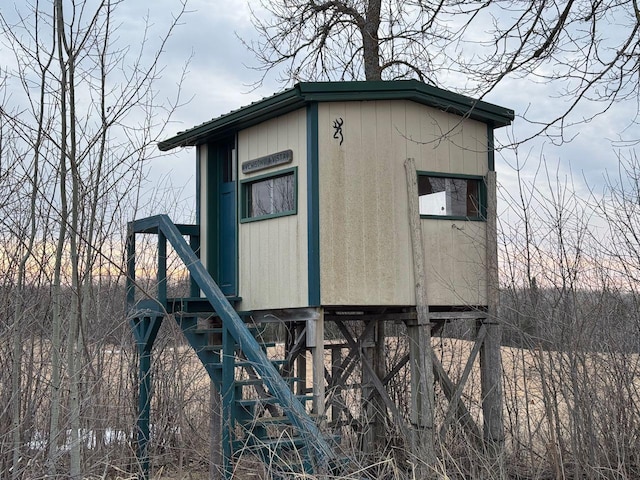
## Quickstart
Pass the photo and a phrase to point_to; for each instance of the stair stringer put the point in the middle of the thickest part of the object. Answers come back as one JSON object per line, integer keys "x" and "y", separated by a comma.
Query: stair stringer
{"x": 323, "y": 453}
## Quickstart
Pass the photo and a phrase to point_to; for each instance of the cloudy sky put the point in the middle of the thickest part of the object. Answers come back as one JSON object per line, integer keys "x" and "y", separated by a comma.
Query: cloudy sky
{"x": 218, "y": 80}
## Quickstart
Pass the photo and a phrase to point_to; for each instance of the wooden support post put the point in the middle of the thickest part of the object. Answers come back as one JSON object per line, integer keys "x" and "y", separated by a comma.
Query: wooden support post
{"x": 300, "y": 332}
{"x": 422, "y": 392}
{"x": 370, "y": 408}
{"x": 315, "y": 341}
{"x": 337, "y": 403}
{"x": 289, "y": 344}
{"x": 490, "y": 356}
{"x": 379, "y": 368}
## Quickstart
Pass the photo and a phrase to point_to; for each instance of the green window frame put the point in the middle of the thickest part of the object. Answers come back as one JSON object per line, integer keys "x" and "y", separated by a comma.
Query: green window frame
{"x": 452, "y": 197}
{"x": 272, "y": 195}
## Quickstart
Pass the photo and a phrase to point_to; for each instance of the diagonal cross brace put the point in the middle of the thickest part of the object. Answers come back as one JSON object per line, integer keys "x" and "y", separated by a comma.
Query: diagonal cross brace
{"x": 356, "y": 347}
{"x": 461, "y": 411}
{"x": 455, "y": 398}
{"x": 349, "y": 363}
{"x": 146, "y": 319}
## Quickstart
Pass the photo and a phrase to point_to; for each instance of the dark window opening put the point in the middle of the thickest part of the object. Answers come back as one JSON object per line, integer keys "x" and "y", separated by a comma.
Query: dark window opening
{"x": 270, "y": 196}
{"x": 450, "y": 196}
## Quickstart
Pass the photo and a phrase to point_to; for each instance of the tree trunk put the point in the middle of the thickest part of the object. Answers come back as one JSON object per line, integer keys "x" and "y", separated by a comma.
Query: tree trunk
{"x": 56, "y": 334}
{"x": 371, "y": 42}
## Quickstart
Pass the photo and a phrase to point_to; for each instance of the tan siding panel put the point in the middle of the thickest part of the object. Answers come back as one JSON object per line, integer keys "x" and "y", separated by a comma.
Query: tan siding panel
{"x": 454, "y": 141}
{"x": 273, "y": 252}
{"x": 474, "y": 148}
{"x": 360, "y": 259}
{"x": 358, "y": 152}
{"x": 440, "y": 140}
{"x": 454, "y": 256}
{"x": 365, "y": 253}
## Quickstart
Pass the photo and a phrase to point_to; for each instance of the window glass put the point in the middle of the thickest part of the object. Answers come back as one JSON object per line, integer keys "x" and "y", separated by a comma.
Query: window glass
{"x": 449, "y": 196}
{"x": 271, "y": 196}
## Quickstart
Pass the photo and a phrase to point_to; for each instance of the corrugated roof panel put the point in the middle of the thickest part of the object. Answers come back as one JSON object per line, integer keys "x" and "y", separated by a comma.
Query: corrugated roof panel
{"x": 304, "y": 93}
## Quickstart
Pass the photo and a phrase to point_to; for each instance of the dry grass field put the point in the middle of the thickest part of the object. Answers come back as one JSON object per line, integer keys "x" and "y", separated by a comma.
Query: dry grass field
{"x": 572, "y": 414}
{"x": 560, "y": 409}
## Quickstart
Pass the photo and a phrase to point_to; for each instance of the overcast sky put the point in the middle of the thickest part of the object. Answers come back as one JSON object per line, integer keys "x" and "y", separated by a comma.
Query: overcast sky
{"x": 218, "y": 81}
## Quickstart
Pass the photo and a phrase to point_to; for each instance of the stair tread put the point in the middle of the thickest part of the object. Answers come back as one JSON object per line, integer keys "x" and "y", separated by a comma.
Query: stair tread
{"x": 281, "y": 442}
{"x": 197, "y": 305}
{"x": 204, "y": 331}
{"x": 263, "y": 400}
{"x": 220, "y": 347}
{"x": 248, "y": 382}
{"x": 259, "y": 381}
{"x": 217, "y": 330}
{"x": 248, "y": 363}
{"x": 284, "y": 420}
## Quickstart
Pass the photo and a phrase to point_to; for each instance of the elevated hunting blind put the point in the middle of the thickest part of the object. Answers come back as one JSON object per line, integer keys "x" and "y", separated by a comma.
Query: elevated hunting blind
{"x": 335, "y": 207}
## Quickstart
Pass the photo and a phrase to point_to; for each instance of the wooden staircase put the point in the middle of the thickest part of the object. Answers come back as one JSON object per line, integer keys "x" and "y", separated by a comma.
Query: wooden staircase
{"x": 260, "y": 413}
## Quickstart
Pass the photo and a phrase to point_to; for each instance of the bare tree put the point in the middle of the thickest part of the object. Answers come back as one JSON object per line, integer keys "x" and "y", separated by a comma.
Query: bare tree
{"x": 345, "y": 40}
{"x": 589, "y": 49}
{"x": 83, "y": 119}
{"x": 570, "y": 301}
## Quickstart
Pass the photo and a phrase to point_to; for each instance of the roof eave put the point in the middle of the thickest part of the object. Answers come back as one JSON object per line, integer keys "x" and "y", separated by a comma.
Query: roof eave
{"x": 412, "y": 90}
{"x": 304, "y": 93}
{"x": 242, "y": 118}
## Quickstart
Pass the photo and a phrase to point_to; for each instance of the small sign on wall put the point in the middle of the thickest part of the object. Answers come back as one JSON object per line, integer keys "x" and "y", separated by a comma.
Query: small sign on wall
{"x": 268, "y": 161}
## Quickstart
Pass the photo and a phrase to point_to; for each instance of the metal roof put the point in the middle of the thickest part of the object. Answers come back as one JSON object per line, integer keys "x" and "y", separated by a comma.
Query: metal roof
{"x": 304, "y": 93}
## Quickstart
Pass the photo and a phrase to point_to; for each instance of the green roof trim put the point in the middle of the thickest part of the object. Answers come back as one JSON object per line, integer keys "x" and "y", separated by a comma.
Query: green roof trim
{"x": 304, "y": 93}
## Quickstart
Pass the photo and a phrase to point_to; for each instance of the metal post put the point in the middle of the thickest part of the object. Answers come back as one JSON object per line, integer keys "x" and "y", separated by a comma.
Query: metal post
{"x": 194, "y": 242}
{"x": 144, "y": 405}
{"x": 216, "y": 466}
{"x": 145, "y": 328}
{"x": 162, "y": 268}
{"x": 131, "y": 266}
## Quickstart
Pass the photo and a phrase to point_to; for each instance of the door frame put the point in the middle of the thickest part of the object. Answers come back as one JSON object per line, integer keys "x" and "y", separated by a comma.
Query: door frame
{"x": 221, "y": 169}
